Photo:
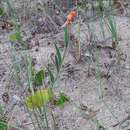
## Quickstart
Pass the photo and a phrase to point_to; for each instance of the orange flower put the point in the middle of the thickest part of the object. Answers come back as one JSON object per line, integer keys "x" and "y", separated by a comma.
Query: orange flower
{"x": 70, "y": 18}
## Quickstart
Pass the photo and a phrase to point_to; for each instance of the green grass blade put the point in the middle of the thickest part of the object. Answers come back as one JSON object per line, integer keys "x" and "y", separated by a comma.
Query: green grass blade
{"x": 52, "y": 79}
{"x": 58, "y": 54}
{"x": 57, "y": 63}
{"x": 66, "y": 36}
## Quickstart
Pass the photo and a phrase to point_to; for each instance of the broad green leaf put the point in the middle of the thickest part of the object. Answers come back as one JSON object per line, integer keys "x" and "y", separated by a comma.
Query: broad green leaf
{"x": 39, "y": 77}
{"x": 1, "y": 11}
{"x": 61, "y": 100}
{"x": 66, "y": 36}
{"x": 15, "y": 37}
{"x": 12, "y": 37}
{"x": 58, "y": 54}
{"x": 39, "y": 98}
{"x": 52, "y": 79}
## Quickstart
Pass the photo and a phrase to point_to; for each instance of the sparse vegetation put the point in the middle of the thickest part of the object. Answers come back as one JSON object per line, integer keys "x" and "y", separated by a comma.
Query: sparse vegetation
{"x": 64, "y": 65}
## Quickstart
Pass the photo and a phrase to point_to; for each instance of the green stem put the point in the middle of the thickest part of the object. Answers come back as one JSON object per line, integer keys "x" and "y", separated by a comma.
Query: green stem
{"x": 47, "y": 125}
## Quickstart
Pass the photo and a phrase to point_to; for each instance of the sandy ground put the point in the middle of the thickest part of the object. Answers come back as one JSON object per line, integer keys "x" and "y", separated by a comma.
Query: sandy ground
{"x": 108, "y": 96}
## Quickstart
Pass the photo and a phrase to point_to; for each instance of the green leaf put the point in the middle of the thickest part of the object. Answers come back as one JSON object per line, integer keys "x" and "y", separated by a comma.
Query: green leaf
{"x": 15, "y": 37}
{"x": 57, "y": 64}
{"x": 12, "y": 37}
{"x": 39, "y": 77}
{"x": 52, "y": 79}
{"x": 112, "y": 27}
{"x": 3, "y": 125}
{"x": 99, "y": 126}
{"x": 18, "y": 35}
{"x": 61, "y": 100}
{"x": 39, "y": 98}
{"x": 1, "y": 11}
{"x": 66, "y": 36}
{"x": 58, "y": 54}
